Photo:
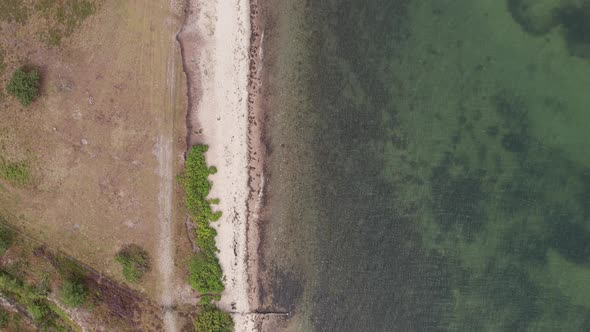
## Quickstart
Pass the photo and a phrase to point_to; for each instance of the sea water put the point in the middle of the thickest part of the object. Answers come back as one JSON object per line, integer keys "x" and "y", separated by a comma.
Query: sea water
{"x": 430, "y": 164}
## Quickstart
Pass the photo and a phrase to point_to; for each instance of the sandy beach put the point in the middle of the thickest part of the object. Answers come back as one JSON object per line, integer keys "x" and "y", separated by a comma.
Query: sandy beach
{"x": 215, "y": 41}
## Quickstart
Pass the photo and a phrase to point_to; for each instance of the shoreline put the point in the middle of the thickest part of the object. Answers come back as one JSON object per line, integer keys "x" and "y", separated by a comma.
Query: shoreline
{"x": 256, "y": 161}
{"x": 216, "y": 48}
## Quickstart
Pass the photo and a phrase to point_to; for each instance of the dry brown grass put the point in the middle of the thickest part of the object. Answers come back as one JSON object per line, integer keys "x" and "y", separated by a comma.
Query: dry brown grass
{"x": 89, "y": 139}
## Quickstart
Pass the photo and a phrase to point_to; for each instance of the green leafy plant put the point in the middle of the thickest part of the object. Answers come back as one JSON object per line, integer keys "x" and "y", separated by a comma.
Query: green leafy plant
{"x": 205, "y": 274}
{"x": 205, "y": 299}
{"x": 73, "y": 294}
{"x": 135, "y": 262}
{"x": 211, "y": 319}
{"x": 24, "y": 86}
{"x": 39, "y": 310}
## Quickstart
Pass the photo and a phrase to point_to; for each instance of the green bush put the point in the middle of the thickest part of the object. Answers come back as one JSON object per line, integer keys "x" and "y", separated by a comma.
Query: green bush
{"x": 211, "y": 319}
{"x": 205, "y": 299}
{"x": 24, "y": 86}
{"x": 73, "y": 294}
{"x": 39, "y": 311}
{"x": 205, "y": 274}
{"x": 135, "y": 262}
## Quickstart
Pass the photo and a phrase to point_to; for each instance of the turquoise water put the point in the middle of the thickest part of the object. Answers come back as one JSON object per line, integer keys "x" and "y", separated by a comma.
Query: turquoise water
{"x": 429, "y": 165}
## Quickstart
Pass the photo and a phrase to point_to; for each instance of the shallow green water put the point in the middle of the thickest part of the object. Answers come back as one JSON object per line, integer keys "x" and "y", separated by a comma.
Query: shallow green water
{"x": 438, "y": 165}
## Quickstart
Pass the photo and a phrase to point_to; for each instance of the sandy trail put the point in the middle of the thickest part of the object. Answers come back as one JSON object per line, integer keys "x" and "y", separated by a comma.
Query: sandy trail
{"x": 166, "y": 257}
{"x": 165, "y": 155}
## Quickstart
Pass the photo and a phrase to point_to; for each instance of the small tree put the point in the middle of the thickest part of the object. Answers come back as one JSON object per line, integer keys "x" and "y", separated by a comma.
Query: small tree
{"x": 73, "y": 294}
{"x": 135, "y": 262}
{"x": 24, "y": 86}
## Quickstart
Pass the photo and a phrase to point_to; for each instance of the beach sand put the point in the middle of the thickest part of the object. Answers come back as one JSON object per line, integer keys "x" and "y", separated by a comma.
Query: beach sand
{"x": 215, "y": 41}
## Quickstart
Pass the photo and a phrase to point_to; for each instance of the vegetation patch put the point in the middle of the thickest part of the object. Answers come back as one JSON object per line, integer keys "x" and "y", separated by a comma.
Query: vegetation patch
{"x": 205, "y": 274}
{"x": 24, "y": 86}
{"x": 73, "y": 293}
{"x": 68, "y": 16}
{"x": 211, "y": 319}
{"x": 135, "y": 262}
{"x": 45, "y": 315}
{"x": 17, "y": 173}
{"x": 60, "y": 18}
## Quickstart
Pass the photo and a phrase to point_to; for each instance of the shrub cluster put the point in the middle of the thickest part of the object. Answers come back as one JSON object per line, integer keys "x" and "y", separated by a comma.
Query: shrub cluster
{"x": 211, "y": 319}
{"x": 205, "y": 274}
{"x": 46, "y": 315}
{"x": 24, "y": 86}
{"x": 135, "y": 262}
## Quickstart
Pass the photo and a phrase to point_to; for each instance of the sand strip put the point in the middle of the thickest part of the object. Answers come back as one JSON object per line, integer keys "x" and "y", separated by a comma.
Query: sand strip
{"x": 215, "y": 42}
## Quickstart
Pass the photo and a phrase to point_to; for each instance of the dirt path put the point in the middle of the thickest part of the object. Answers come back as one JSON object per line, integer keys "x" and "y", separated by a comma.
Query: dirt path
{"x": 165, "y": 154}
{"x": 166, "y": 252}
{"x": 163, "y": 31}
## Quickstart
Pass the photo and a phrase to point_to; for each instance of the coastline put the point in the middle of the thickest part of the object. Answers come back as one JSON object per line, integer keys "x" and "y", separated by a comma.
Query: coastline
{"x": 215, "y": 42}
{"x": 257, "y": 169}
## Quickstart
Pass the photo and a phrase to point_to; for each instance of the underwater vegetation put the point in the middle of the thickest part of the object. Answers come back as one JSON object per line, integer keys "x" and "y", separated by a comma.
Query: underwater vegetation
{"x": 536, "y": 17}
{"x": 533, "y": 203}
{"x": 539, "y": 17}
{"x": 576, "y": 24}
